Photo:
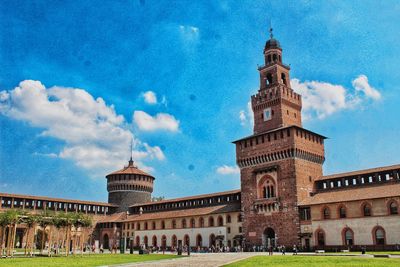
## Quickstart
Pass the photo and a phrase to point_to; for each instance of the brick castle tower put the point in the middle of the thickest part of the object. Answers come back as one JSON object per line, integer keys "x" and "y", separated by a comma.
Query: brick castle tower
{"x": 279, "y": 162}
{"x": 129, "y": 186}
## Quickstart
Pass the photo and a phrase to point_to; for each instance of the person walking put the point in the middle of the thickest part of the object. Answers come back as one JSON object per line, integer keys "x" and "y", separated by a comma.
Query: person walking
{"x": 294, "y": 250}
{"x": 270, "y": 251}
{"x": 283, "y": 249}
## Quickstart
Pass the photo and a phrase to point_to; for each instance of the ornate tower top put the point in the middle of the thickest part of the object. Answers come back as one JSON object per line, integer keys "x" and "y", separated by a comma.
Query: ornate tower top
{"x": 272, "y": 42}
{"x": 275, "y": 104}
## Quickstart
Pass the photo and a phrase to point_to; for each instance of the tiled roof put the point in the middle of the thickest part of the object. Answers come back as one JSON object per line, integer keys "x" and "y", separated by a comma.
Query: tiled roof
{"x": 354, "y": 194}
{"x": 189, "y": 198}
{"x": 185, "y": 212}
{"x": 57, "y": 199}
{"x": 130, "y": 169}
{"x": 115, "y": 217}
{"x": 359, "y": 172}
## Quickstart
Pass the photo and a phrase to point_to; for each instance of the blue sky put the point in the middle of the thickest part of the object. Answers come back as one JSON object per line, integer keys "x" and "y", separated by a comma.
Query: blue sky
{"x": 78, "y": 80}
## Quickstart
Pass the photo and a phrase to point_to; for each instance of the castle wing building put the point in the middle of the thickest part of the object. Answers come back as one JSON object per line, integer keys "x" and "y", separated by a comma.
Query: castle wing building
{"x": 284, "y": 197}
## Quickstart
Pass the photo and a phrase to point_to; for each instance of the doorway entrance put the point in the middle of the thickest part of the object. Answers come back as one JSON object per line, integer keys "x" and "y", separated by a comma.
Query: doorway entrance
{"x": 269, "y": 237}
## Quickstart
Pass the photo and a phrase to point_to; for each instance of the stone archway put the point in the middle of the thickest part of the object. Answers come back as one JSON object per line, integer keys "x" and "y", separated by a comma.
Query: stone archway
{"x": 106, "y": 242}
{"x": 212, "y": 240}
{"x": 186, "y": 240}
{"x": 269, "y": 237}
{"x": 19, "y": 236}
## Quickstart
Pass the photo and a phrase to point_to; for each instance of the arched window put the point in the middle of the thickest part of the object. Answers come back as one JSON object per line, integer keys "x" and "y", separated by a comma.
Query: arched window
{"x": 201, "y": 222}
{"x": 266, "y": 187}
{"x": 239, "y": 218}
{"x": 154, "y": 241}
{"x": 320, "y": 236}
{"x": 274, "y": 57}
{"x": 137, "y": 241}
{"x": 228, "y": 218}
{"x": 183, "y": 223}
{"x": 145, "y": 226}
{"x": 326, "y": 213}
{"x": 220, "y": 221}
{"x": 393, "y": 208}
{"x": 162, "y": 224}
{"x": 348, "y": 237}
{"x": 192, "y": 223}
{"x": 379, "y": 235}
{"x": 366, "y": 209}
{"x": 138, "y": 226}
{"x": 342, "y": 212}
{"x": 211, "y": 221}
{"x": 146, "y": 240}
{"x": 269, "y": 59}
{"x": 268, "y": 80}
{"x": 173, "y": 224}
{"x": 154, "y": 225}
{"x": 283, "y": 78}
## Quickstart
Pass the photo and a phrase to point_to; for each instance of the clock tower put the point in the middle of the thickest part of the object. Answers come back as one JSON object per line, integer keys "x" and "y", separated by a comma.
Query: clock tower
{"x": 279, "y": 161}
{"x": 276, "y": 104}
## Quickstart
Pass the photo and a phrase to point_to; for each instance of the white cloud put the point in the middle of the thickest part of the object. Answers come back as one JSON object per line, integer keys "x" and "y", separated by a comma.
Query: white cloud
{"x": 246, "y": 117}
{"x": 150, "y": 97}
{"x": 190, "y": 36}
{"x": 190, "y": 32}
{"x": 361, "y": 84}
{"x": 154, "y": 152}
{"x": 227, "y": 170}
{"x": 321, "y": 99}
{"x": 161, "y": 121}
{"x": 242, "y": 117}
{"x": 96, "y": 137}
{"x": 164, "y": 101}
{"x": 50, "y": 155}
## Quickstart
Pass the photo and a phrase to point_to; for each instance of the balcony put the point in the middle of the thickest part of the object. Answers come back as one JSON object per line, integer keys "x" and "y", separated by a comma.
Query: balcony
{"x": 266, "y": 205}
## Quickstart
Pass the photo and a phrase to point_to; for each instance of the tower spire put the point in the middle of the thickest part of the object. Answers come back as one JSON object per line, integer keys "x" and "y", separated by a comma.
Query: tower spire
{"x": 271, "y": 35}
{"x": 131, "y": 160}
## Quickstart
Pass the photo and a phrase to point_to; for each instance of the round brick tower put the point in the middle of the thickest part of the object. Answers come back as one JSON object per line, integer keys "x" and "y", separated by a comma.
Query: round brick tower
{"x": 129, "y": 186}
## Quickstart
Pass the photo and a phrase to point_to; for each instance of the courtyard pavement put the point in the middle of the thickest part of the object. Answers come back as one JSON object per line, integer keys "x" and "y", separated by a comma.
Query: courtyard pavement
{"x": 197, "y": 259}
{"x": 219, "y": 259}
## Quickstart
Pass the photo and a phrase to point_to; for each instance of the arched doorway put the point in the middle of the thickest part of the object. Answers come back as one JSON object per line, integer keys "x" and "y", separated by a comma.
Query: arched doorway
{"x": 186, "y": 241}
{"x": 269, "y": 237}
{"x": 164, "y": 242}
{"x": 174, "y": 241}
{"x": 19, "y": 236}
{"x": 154, "y": 243}
{"x": 106, "y": 242}
{"x": 212, "y": 240}
{"x": 199, "y": 241}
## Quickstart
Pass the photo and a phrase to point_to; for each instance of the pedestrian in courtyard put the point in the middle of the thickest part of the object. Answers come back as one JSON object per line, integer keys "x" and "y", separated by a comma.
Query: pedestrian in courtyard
{"x": 270, "y": 251}
{"x": 283, "y": 248}
{"x": 294, "y": 250}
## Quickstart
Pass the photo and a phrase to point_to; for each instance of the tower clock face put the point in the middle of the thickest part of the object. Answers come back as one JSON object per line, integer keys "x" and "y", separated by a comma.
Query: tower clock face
{"x": 267, "y": 114}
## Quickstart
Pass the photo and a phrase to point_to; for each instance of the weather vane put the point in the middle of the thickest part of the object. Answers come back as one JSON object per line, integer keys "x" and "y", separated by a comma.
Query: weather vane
{"x": 270, "y": 29}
